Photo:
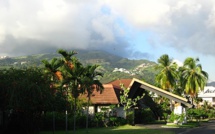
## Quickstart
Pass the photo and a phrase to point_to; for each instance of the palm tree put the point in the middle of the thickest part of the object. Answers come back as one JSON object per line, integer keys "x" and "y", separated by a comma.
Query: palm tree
{"x": 90, "y": 83}
{"x": 67, "y": 56}
{"x": 72, "y": 72}
{"x": 193, "y": 77}
{"x": 68, "y": 65}
{"x": 52, "y": 69}
{"x": 167, "y": 76}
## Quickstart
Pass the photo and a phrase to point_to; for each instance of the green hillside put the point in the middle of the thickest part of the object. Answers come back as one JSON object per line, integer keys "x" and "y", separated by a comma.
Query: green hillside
{"x": 113, "y": 67}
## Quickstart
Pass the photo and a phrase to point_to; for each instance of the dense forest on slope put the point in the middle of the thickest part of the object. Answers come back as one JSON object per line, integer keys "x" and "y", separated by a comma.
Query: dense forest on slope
{"x": 113, "y": 67}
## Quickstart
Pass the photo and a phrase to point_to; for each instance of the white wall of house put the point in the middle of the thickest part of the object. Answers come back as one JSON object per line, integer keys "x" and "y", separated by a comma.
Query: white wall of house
{"x": 91, "y": 110}
{"x": 119, "y": 111}
{"x": 208, "y": 94}
{"x": 207, "y": 99}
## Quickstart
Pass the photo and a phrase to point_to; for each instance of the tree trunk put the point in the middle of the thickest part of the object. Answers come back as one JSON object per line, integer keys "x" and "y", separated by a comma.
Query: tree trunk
{"x": 66, "y": 113}
{"x": 87, "y": 119}
{"x": 66, "y": 121}
{"x": 74, "y": 116}
{"x": 53, "y": 115}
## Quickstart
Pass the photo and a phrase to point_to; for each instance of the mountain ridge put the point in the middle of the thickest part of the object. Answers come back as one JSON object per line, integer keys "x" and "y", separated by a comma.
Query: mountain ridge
{"x": 113, "y": 66}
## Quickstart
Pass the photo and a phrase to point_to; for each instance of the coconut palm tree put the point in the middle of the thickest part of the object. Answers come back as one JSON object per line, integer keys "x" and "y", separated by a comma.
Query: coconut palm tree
{"x": 193, "y": 78}
{"x": 90, "y": 83}
{"x": 167, "y": 76}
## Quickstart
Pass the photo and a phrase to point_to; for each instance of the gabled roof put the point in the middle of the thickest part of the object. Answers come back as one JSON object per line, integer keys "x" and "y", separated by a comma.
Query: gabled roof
{"x": 136, "y": 83}
{"x": 108, "y": 96}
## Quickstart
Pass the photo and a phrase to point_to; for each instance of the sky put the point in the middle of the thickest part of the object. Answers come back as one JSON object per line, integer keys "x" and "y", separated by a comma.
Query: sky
{"x": 136, "y": 29}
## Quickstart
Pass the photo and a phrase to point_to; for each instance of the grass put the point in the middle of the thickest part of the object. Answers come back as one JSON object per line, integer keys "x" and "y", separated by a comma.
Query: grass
{"x": 186, "y": 125}
{"x": 127, "y": 129}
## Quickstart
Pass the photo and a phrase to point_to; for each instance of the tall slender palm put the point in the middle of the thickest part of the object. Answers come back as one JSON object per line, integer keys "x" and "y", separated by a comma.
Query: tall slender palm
{"x": 90, "y": 83}
{"x": 74, "y": 81}
{"x": 67, "y": 57}
{"x": 193, "y": 77}
{"x": 52, "y": 69}
{"x": 73, "y": 73}
{"x": 167, "y": 76}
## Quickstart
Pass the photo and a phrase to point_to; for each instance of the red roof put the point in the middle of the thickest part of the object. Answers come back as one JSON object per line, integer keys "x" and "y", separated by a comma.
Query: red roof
{"x": 108, "y": 96}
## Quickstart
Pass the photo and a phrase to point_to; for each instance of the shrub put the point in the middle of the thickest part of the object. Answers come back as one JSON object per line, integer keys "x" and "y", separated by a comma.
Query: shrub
{"x": 116, "y": 121}
{"x": 196, "y": 113}
{"x": 176, "y": 118}
{"x": 130, "y": 117}
{"x": 98, "y": 119}
{"x": 148, "y": 116}
{"x": 144, "y": 116}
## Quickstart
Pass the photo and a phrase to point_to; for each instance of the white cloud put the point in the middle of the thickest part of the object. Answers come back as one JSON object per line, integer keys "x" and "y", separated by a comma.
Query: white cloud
{"x": 180, "y": 24}
{"x": 83, "y": 24}
{"x": 141, "y": 13}
{"x": 179, "y": 63}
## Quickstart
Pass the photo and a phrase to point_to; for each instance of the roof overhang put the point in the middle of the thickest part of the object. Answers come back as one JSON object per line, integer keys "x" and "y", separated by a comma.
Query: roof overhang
{"x": 159, "y": 91}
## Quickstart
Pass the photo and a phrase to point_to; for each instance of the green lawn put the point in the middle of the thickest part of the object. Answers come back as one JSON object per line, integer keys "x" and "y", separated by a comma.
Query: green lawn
{"x": 186, "y": 125}
{"x": 116, "y": 130}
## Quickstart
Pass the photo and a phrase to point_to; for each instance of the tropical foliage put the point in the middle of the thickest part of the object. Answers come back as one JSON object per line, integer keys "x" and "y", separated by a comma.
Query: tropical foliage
{"x": 167, "y": 76}
{"x": 193, "y": 78}
{"x": 25, "y": 93}
{"x": 185, "y": 81}
{"x": 128, "y": 103}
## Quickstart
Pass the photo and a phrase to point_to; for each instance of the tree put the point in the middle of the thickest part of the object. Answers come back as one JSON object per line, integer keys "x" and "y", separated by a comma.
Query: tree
{"x": 193, "y": 77}
{"x": 167, "y": 76}
{"x": 128, "y": 102}
{"x": 68, "y": 66}
{"x": 27, "y": 95}
{"x": 52, "y": 69}
{"x": 73, "y": 74}
{"x": 67, "y": 57}
{"x": 90, "y": 83}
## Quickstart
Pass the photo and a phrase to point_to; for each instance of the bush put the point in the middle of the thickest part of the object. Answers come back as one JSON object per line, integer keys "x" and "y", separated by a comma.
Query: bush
{"x": 116, "y": 121}
{"x": 148, "y": 116}
{"x": 98, "y": 120}
{"x": 81, "y": 121}
{"x": 176, "y": 118}
{"x": 144, "y": 116}
{"x": 130, "y": 117}
{"x": 197, "y": 114}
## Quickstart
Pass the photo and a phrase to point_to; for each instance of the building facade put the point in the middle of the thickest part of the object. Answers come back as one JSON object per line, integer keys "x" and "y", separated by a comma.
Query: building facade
{"x": 208, "y": 95}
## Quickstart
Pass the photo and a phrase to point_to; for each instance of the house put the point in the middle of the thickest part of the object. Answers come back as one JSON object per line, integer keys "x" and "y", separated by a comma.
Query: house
{"x": 111, "y": 95}
{"x": 208, "y": 94}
